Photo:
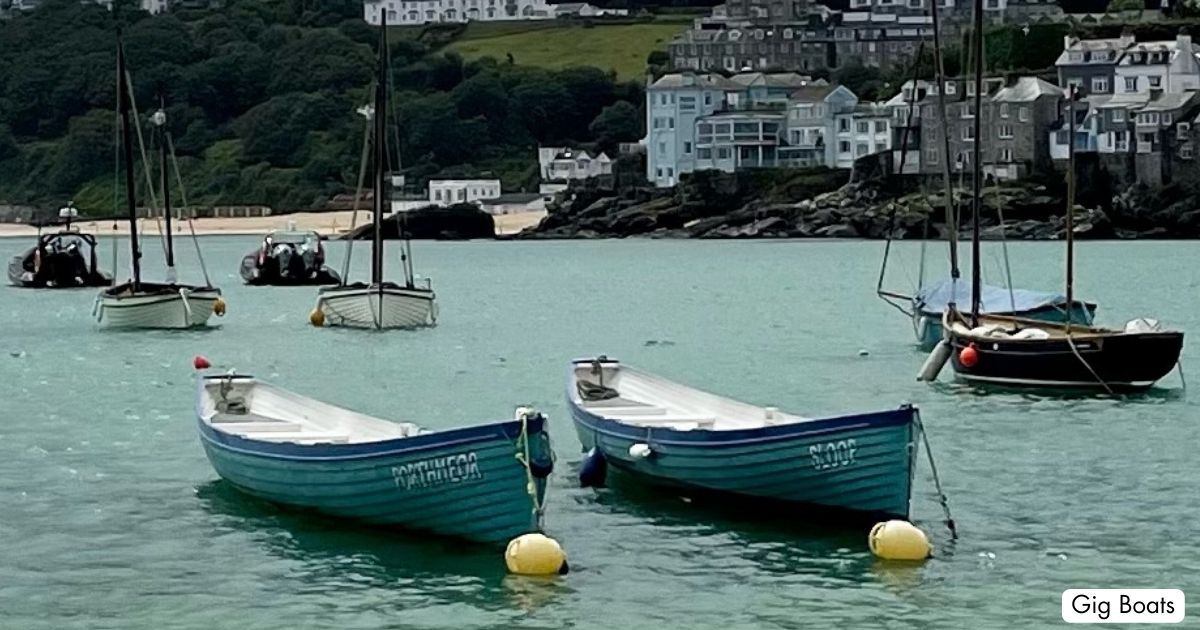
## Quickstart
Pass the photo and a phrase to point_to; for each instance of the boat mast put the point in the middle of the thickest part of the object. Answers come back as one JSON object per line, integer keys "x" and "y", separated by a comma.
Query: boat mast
{"x": 160, "y": 119}
{"x": 951, "y": 207}
{"x": 1070, "y": 203}
{"x": 126, "y": 140}
{"x": 381, "y": 85}
{"x": 976, "y": 166}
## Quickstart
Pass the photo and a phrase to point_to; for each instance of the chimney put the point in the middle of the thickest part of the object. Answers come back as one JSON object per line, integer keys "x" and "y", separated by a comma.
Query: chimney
{"x": 1127, "y": 38}
{"x": 1068, "y": 41}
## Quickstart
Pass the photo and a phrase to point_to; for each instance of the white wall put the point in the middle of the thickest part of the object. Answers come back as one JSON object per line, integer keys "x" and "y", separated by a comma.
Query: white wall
{"x": 445, "y": 192}
{"x": 407, "y": 12}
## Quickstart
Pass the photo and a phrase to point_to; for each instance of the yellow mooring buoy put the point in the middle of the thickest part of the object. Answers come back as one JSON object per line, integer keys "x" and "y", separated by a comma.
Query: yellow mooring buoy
{"x": 535, "y": 554}
{"x": 317, "y": 317}
{"x": 219, "y": 307}
{"x": 899, "y": 540}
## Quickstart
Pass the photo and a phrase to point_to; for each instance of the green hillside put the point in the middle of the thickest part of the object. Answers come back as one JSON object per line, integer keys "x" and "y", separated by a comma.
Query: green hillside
{"x": 619, "y": 47}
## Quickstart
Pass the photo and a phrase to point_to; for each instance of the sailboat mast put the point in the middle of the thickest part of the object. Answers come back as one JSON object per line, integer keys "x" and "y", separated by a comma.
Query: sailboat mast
{"x": 127, "y": 142}
{"x": 381, "y": 87}
{"x": 161, "y": 119}
{"x": 1070, "y": 204}
{"x": 976, "y": 165}
{"x": 940, "y": 77}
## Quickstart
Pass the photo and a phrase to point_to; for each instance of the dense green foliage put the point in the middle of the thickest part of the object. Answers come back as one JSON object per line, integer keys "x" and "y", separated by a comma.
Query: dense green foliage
{"x": 261, "y": 97}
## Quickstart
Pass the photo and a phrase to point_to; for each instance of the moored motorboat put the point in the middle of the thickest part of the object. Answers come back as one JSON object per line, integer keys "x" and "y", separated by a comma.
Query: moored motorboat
{"x": 672, "y": 435}
{"x": 60, "y": 260}
{"x": 288, "y": 257}
{"x": 483, "y": 483}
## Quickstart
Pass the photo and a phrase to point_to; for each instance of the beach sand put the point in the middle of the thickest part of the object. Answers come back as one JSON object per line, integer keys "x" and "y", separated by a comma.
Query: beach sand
{"x": 326, "y": 223}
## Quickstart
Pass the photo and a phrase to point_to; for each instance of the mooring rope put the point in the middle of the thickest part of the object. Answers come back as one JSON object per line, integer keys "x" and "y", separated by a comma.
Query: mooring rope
{"x": 937, "y": 482}
{"x": 1071, "y": 342}
{"x": 524, "y": 457}
{"x": 191, "y": 213}
{"x": 1182, "y": 380}
{"x": 362, "y": 175}
{"x": 145, "y": 164}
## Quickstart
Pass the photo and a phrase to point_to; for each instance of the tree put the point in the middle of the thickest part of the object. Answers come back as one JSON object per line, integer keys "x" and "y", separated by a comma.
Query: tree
{"x": 86, "y": 152}
{"x": 276, "y": 131}
{"x": 320, "y": 59}
{"x": 619, "y": 122}
{"x": 8, "y": 144}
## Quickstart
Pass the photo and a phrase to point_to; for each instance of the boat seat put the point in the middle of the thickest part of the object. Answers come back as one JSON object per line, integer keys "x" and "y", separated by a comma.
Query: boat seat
{"x": 613, "y": 402}
{"x": 634, "y": 411}
{"x": 668, "y": 421}
{"x": 302, "y": 437}
{"x": 278, "y": 426}
{"x": 231, "y": 418}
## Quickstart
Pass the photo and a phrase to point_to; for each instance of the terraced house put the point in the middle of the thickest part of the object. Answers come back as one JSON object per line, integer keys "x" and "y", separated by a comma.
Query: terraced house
{"x": 755, "y": 120}
{"x": 1139, "y": 107}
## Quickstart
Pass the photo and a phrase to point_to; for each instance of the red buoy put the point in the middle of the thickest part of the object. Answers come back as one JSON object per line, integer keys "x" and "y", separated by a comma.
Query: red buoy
{"x": 201, "y": 363}
{"x": 968, "y": 357}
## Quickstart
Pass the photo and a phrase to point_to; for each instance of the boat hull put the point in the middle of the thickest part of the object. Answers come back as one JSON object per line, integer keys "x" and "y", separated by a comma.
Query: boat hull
{"x": 56, "y": 271}
{"x": 465, "y": 483}
{"x": 929, "y": 331}
{"x": 1123, "y": 361}
{"x": 379, "y": 308}
{"x": 190, "y": 308}
{"x": 859, "y": 465}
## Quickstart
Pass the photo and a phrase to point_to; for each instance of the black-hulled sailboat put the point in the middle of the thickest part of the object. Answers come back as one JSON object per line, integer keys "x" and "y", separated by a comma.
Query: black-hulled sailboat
{"x": 66, "y": 259}
{"x": 138, "y": 304}
{"x": 1014, "y": 351}
{"x": 379, "y": 304}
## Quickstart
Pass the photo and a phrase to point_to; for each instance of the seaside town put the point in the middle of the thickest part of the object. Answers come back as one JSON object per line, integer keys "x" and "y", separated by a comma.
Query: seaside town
{"x": 871, "y": 313}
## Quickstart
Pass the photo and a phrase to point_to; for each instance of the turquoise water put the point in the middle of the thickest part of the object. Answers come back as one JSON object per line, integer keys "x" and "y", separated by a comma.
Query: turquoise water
{"x": 112, "y": 517}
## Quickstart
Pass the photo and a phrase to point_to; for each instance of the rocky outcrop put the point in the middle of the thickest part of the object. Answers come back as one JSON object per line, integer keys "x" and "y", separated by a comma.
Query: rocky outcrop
{"x": 870, "y": 208}
{"x": 457, "y": 222}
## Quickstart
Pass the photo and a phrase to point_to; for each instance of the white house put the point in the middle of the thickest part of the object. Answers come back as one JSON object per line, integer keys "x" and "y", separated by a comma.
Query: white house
{"x": 446, "y": 192}
{"x": 409, "y": 12}
{"x": 1169, "y": 66}
{"x": 562, "y": 164}
{"x": 583, "y": 9}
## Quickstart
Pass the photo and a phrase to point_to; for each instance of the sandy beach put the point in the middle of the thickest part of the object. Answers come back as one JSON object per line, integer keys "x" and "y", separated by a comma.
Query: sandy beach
{"x": 326, "y": 223}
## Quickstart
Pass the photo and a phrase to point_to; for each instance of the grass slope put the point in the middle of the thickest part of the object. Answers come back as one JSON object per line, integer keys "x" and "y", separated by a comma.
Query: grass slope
{"x": 619, "y": 47}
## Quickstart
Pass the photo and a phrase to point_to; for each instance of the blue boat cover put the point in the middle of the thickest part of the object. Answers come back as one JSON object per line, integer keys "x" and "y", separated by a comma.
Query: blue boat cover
{"x": 933, "y": 299}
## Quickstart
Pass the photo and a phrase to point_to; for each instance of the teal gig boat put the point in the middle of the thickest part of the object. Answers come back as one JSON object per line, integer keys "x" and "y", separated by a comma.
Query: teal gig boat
{"x": 847, "y": 467}
{"x": 484, "y": 483}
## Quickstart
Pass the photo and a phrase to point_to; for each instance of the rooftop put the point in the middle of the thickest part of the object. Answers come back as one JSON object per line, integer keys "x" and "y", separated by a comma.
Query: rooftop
{"x": 1027, "y": 90}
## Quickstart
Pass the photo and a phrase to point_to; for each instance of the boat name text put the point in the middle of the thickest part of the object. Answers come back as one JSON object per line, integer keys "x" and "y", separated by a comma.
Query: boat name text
{"x": 833, "y": 454}
{"x": 437, "y": 471}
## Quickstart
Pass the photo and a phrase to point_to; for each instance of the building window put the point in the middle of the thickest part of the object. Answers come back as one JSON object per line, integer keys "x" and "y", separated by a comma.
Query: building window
{"x": 880, "y": 126}
{"x": 862, "y": 149}
{"x": 671, "y": 122}
{"x": 1118, "y": 115}
{"x": 1006, "y": 155}
{"x": 1185, "y": 151}
{"x": 844, "y": 124}
{"x": 658, "y": 172}
{"x": 968, "y": 110}
{"x": 1166, "y": 118}
{"x": 1004, "y": 110}
{"x": 864, "y": 127}
{"x": 968, "y": 133}
{"x": 707, "y": 99}
{"x": 1006, "y": 131}
{"x": 844, "y": 146}
{"x": 931, "y": 156}
{"x": 1099, "y": 85}
{"x": 670, "y": 172}
{"x": 704, "y": 154}
{"x": 687, "y": 148}
{"x": 950, "y": 88}
{"x": 687, "y": 103}
{"x": 1155, "y": 82}
{"x": 1130, "y": 84}
{"x": 1182, "y": 129}
{"x": 1023, "y": 114}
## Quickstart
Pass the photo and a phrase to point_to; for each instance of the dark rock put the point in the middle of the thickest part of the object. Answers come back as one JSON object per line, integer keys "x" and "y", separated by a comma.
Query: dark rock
{"x": 837, "y": 231}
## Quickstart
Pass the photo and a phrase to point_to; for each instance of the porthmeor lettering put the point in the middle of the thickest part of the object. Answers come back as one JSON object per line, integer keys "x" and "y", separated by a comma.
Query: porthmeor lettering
{"x": 437, "y": 471}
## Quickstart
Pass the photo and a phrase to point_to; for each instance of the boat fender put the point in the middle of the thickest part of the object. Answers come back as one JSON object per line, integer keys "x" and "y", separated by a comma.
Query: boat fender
{"x": 969, "y": 356}
{"x": 201, "y": 362}
{"x": 899, "y": 540}
{"x": 935, "y": 362}
{"x": 541, "y": 462}
{"x": 219, "y": 307}
{"x": 317, "y": 317}
{"x": 535, "y": 554}
{"x": 594, "y": 470}
{"x": 640, "y": 450}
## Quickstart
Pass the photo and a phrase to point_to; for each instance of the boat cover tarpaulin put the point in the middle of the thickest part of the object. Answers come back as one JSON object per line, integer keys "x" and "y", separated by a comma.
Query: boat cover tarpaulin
{"x": 933, "y": 299}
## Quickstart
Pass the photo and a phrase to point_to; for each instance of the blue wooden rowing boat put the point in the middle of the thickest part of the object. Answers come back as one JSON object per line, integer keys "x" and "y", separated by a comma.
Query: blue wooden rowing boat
{"x": 672, "y": 435}
{"x": 483, "y": 483}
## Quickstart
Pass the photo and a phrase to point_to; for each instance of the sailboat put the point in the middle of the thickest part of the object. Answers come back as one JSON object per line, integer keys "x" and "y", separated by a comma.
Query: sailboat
{"x": 378, "y": 304}
{"x": 1016, "y": 351}
{"x": 927, "y": 304}
{"x": 138, "y": 304}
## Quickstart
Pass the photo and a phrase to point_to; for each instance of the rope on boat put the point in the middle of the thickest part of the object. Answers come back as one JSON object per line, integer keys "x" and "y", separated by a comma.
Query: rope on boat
{"x": 1071, "y": 342}
{"x": 191, "y": 214}
{"x": 362, "y": 175}
{"x": 145, "y": 163}
{"x": 116, "y": 192}
{"x": 1182, "y": 380}
{"x": 187, "y": 308}
{"x": 937, "y": 482}
{"x": 525, "y": 459}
